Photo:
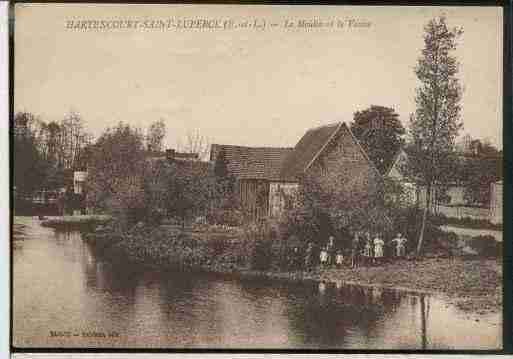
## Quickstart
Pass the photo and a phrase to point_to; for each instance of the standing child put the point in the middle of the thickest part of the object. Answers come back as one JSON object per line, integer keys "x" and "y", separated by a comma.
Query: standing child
{"x": 400, "y": 249}
{"x": 339, "y": 259}
{"x": 330, "y": 248}
{"x": 309, "y": 256}
{"x": 378, "y": 248}
{"x": 323, "y": 257}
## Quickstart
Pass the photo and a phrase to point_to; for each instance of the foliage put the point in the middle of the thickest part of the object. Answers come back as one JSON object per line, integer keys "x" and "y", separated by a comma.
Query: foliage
{"x": 436, "y": 240}
{"x": 227, "y": 205}
{"x": 187, "y": 249}
{"x": 117, "y": 173}
{"x": 46, "y": 152}
{"x": 335, "y": 205}
{"x": 124, "y": 182}
{"x": 28, "y": 167}
{"x": 486, "y": 246}
{"x": 155, "y": 136}
{"x": 189, "y": 189}
{"x": 196, "y": 143}
{"x": 259, "y": 240}
{"x": 481, "y": 166}
{"x": 380, "y": 132}
{"x": 221, "y": 165}
{"x": 436, "y": 123}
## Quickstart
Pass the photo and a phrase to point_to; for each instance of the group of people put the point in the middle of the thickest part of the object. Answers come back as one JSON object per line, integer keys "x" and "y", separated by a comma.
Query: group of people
{"x": 372, "y": 250}
{"x": 364, "y": 250}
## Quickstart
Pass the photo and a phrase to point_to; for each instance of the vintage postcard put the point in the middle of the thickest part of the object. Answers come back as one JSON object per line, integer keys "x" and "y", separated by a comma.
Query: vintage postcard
{"x": 257, "y": 177}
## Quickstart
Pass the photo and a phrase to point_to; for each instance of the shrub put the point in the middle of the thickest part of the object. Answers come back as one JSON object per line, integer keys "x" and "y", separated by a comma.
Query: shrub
{"x": 486, "y": 246}
{"x": 228, "y": 217}
{"x": 439, "y": 241}
{"x": 259, "y": 240}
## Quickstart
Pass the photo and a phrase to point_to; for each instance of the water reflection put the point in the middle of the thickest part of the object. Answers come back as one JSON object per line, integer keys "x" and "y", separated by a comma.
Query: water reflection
{"x": 84, "y": 290}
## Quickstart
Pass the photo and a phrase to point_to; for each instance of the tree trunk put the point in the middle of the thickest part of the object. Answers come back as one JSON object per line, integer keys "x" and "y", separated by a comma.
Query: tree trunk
{"x": 423, "y": 319}
{"x": 424, "y": 219}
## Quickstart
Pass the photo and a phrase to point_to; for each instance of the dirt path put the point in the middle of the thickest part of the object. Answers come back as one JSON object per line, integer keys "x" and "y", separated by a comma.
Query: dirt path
{"x": 473, "y": 232}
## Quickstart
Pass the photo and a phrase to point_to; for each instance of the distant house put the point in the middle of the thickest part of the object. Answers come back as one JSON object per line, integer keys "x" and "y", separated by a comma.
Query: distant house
{"x": 264, "y": 174}
{"x": 453, "y": 195}
{"x": 172, "y": 155}
{"x": 79, "y": 179}
{"x": 452, "y": 201}
{"x": 496, "y": 194}
{"x": 258, "y": 174}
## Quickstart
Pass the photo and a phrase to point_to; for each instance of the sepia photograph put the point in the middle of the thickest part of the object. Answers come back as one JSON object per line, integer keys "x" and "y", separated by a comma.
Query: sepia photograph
{"x": 216, "y": 176}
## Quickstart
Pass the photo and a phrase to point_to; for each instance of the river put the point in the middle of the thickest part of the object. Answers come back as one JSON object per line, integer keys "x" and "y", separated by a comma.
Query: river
{"x": 66, "y": 295}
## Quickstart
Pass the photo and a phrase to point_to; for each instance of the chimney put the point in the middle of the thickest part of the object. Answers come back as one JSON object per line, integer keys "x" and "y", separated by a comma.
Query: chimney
{"x": 170, "y": 154}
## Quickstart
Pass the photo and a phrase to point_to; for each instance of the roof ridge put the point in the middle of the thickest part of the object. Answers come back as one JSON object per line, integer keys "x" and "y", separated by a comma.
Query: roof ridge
{"x": 337, "y": 126}
{"x": 333, "y": 124}
{"x": 365, "y": 155}
{"x": 394, "y": 161}
{"x": 254, "y": 147}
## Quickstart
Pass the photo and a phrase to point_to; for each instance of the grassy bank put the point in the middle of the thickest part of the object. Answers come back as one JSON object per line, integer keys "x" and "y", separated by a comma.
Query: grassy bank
{"x": 76, "y": 222}
{"x": 474, "y": 284}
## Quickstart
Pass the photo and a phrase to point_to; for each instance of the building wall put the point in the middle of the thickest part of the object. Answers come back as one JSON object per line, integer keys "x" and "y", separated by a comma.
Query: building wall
{"x": 463, "y": 212}
{"x": 344, "y": 167}
{"x": 455, "y": 196}
{"x": 496, "y": 202}
{"x": 79, "y": 178}
{"x": 254, "y": 197}
{"x": 458, "y": 208}
{"x": 278, "y": 191}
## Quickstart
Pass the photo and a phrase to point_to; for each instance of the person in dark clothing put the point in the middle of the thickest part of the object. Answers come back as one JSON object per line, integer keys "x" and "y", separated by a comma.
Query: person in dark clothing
{"x": 309, "y": 256}
{"x": 355, "y": 251}
{"x": 330, "y": 249}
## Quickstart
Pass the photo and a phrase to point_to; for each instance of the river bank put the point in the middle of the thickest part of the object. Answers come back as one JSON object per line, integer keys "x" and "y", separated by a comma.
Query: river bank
{"x": 75, "y": 222}
{"x": 473, "y": 284}
{"x": 226, "y": 307}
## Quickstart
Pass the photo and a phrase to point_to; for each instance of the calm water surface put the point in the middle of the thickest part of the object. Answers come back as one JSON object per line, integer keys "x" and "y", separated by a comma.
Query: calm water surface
{"x": 66, "y": 295}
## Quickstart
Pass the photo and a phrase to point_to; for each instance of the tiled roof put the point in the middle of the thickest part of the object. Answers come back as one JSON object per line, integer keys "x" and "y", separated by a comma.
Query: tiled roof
{"x": 306, "y": 150}
{"x": 280, "y": 164}
{"x": 252, "y": 162}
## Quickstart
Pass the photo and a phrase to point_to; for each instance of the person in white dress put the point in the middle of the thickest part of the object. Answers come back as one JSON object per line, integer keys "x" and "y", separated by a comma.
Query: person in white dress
{"x": 400, "y": 249}
{"x": 323, "y": 257}
{"x": 339, "y": 259}
{"x": 378, "y": 248}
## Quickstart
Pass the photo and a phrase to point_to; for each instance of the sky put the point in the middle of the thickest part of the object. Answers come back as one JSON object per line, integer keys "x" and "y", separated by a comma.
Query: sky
{"x": 245, "y": 86}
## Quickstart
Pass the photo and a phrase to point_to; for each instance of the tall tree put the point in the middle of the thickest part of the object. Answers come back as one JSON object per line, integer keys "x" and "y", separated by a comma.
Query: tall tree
{"x": 221, "y": 165}
{"x": 28, "y": 164}
{"x": 226, "y": 197}
{"x": 481, "y": 165}
{"x": 196, "y": 143}
{"x": 436, "y": 123}
{"x": 72, "y": 140}
{"x": 155, "y": 136}
{"x": 117, "y": 170}
{"x": 380, "y": 132}
{"x": 189, "y": 187}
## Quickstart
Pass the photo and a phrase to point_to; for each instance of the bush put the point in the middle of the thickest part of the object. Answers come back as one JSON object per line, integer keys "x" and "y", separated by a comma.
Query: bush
{"x": 438, "y": 241}
{"x": 257, "y": 239}
{"x": 228, "y": 217}
{"x": 486, "y": 246}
